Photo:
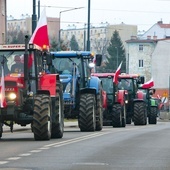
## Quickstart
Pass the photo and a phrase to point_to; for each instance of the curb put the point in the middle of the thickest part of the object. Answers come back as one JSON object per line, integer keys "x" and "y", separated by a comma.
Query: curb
{"x": 28, "y": 127}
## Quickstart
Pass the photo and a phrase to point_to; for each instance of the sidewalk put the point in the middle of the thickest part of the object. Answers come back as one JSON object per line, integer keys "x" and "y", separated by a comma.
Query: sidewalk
{"x": 16, "y": 126}
{"x": 164, "y": 115}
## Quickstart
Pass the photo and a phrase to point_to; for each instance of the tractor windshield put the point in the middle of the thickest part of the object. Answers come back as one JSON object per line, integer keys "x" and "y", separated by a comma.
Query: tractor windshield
{"x": 107, "y": 84}
{"x": 125, "y": 84}
{"x": 12, "y": 61}
{"x": 65, "y": 65}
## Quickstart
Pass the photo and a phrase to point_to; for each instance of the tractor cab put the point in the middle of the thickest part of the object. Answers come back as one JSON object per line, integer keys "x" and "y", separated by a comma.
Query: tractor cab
{"x": 30, "y": 93}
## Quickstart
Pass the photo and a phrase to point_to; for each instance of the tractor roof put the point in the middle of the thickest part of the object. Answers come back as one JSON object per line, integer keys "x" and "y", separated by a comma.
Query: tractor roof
{"x": 7, "y": 47}
{"x": 103, "y": 74}
{"x": 125, "y": 75}
{"x": 71, "y": 54}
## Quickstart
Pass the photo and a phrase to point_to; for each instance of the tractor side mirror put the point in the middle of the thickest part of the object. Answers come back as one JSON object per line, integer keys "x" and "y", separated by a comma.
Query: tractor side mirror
{"x": 49, "y": 59}
{"x": 98, "y": 59}
{"x": 141, "y": 80}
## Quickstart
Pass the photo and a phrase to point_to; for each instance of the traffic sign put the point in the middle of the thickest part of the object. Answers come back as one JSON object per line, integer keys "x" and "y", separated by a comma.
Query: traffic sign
{"x": 165, "y": 94}
{"x": 164, "y": 99}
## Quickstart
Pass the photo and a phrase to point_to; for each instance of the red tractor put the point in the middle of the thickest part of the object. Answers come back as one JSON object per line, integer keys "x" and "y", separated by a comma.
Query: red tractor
{"x": 31, "y": 95}
{"x": 136, "y": 107}
{"x": 114, "y": 101}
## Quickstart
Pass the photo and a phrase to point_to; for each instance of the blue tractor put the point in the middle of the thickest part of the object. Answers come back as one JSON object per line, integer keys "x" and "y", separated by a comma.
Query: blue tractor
{"x": 82, "y": 93}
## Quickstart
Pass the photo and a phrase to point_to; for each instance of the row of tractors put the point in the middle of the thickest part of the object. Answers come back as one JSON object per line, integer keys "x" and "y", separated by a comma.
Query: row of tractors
{"x": 128, "y": 100}
{"x": 58, "y": 85}
{"x": 52, "y": 85}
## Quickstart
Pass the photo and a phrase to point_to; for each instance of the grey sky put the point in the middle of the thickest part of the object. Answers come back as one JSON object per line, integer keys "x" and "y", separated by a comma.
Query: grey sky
{"x": 143, "y": 13}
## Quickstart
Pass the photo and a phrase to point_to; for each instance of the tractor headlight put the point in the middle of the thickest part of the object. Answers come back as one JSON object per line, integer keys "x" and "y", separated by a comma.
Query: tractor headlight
{"x": 68, "y": 88}
{"x": 12, "y": 96}
{"x": 126, "y": 101}
{"x": 91, "y": 65}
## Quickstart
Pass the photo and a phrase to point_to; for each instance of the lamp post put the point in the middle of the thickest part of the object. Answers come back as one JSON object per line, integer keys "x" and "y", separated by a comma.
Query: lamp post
{"x": 34, "y": 16}
{"x": 116, "y": 56}
{"x": 38, "y": 9}
{"x": 88, "y": 27}
{"x": 60, "y": 19}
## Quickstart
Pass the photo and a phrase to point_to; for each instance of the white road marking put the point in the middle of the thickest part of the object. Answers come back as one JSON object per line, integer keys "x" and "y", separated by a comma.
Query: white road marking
{"x": 35, "y": 151}
{"x": 13, "y": 158}
{"x": 3, "y": 162}
{"x": 25, "y": 154}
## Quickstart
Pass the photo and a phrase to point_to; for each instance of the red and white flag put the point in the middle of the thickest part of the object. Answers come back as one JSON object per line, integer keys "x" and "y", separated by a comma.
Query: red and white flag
{"x": 40, "y": 35}
{"x": 148, "y": 84}
{"x": 2, "y": 98}
{"x": 115, "y": 79}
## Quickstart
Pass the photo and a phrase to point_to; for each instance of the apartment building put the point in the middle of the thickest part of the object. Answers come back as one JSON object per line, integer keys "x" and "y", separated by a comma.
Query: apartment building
{"x": 99, "y": 35}
{"x": 2, "y": 21}
{"x": 24, "y": 24}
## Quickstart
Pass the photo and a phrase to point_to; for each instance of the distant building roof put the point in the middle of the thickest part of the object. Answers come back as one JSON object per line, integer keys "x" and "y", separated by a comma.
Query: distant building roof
{"x": 160, "y": 23}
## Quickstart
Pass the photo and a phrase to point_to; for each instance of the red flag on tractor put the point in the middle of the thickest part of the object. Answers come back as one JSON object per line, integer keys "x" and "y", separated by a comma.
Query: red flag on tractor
{"x": 115, "y": 79}
{"x": 148, "y": 84}
{"x": 2, "y": 97}
{"x": 40, "y": 35}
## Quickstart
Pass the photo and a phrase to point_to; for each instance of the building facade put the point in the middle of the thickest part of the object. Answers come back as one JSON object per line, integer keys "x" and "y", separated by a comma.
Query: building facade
{"x": 149, "y": 55}
{"x": 25, "y": 25}
{"x": 2, "y": 21}
{"x": 139, "y": 56}
{"x": 99, "y": 36}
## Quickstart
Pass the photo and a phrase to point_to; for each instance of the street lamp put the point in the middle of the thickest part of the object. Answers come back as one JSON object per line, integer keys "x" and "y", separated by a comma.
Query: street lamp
{"x": 60, "y": 18}
{"x": 116, "y": 57}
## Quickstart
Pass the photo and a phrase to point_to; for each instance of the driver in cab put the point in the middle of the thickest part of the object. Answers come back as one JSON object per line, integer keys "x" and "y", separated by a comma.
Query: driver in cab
{"x": 18, "y": 67}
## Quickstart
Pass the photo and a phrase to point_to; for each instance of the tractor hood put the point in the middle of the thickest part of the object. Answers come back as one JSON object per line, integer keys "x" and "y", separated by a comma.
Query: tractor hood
{"x": 65, "y": 78}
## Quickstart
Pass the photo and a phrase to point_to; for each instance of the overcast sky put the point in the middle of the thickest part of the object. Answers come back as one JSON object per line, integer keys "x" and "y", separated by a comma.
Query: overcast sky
{"x": 143, "y": 13}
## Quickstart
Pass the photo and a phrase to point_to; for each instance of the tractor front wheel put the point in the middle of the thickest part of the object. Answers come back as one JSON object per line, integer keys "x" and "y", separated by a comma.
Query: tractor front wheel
{"x": 140, "y": 113}
{"x": 117, "y": 115}
{"x": 99, "y": 121}
{"x": 152, "y": 119}
{"x": 42, "y": 117}
{"x": 58, "y": 114}
{"x": 87, "y": 113}
{"x": 1, "y": 129}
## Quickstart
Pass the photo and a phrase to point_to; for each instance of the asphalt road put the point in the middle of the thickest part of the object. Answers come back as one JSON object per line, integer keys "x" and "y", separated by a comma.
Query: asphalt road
{"x": 130, "y": 148}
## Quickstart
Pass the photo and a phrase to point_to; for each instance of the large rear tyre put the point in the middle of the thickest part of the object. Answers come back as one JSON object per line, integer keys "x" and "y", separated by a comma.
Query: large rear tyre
{"x": 42, "y": 117}
{"x": 87, "y": 113}
{"x": 116, "y": 115}
{"x": 152, "y": 119}
{"x": 58, "y": 113}
{"x": 140, "y": 113}
{"x": 99, "y": 121}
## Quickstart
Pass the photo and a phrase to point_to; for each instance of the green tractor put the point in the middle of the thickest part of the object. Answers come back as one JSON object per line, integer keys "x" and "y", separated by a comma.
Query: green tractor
{"x": 152, "y": 105}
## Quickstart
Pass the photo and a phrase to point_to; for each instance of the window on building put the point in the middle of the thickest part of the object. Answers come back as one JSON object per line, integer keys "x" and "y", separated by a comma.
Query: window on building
{"x": 140, "y": 63}
{"x": 140, "y": 47}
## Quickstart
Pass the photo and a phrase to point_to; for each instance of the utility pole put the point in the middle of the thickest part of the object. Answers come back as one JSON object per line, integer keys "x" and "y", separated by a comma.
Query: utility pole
{"x": 88, "y": 27}
{"x": 34, "y": 17}
{"x": 38, "y": 9}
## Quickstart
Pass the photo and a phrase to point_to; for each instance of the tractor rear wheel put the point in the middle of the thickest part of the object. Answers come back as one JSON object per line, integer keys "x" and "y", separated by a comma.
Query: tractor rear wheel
{"x": 117, "y": 115}
{"x": 87, "y": 113}
{"x": 42, "y": 117}
{"x": 99, "y": 121}
{"x": 140, "y": 113}
{"x": 153, "y": 115}
{"x": 58, "y": 114}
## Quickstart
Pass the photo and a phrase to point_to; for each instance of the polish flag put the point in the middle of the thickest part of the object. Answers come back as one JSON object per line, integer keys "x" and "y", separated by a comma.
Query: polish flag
{"x": 2, "y": 98}
{"x": 148, "y": 84}
{"x": 115, "y": 79}
{"x": 40, "y": 35}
